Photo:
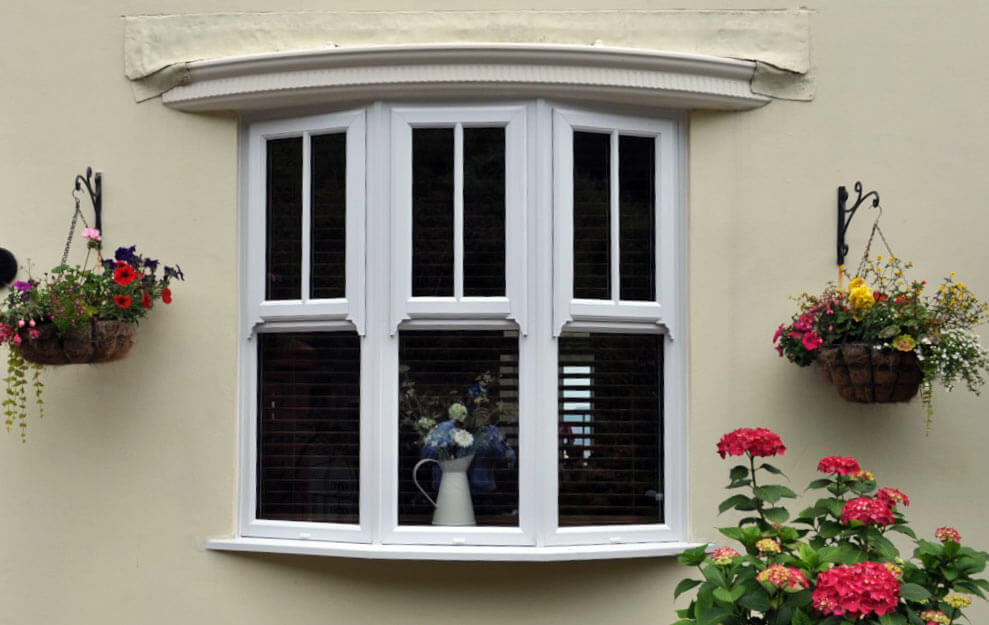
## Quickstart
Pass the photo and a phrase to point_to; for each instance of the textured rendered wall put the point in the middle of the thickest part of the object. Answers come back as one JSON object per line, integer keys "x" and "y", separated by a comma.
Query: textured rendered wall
{"x": 106, "y": 508}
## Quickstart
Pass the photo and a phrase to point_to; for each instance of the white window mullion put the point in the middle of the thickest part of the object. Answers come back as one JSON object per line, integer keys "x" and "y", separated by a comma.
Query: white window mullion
{"x": 458, "y": 211}
{"x": 613, "y": 210}
{"x": 306, "y": 214}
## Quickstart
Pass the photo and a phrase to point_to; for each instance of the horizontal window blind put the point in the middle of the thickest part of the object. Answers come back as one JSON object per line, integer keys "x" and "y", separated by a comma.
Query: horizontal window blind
{"x": 609, "y": 394}
{"x": 478, "y": 369}
{"x": 309, "y": 426}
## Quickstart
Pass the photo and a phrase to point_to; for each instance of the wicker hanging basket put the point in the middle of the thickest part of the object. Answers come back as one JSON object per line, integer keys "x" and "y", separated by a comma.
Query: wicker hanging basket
{"x": 100, "y": 341}
{"x": 865, "y": 374}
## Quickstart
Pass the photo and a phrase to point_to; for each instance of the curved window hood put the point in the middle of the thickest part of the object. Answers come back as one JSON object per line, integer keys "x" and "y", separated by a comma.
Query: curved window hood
{"x": 616, "y": 75}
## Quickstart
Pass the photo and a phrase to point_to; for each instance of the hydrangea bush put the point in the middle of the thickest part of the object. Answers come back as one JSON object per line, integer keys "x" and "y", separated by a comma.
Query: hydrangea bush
{"x": 835, "y": 564}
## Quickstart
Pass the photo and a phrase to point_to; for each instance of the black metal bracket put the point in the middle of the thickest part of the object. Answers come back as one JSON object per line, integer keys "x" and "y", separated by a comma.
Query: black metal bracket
{"x": 95, "y": 190}
{"x": 843, "y": 223}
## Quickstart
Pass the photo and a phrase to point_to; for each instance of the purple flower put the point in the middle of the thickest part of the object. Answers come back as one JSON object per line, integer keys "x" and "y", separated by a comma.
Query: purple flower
{"x": 151, "y": 264}
{"x": 125, "y": 253}
{"x": 22, "y": 286}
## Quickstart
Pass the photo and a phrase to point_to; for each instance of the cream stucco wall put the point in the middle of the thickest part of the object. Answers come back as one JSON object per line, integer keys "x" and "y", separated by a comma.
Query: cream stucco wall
{"x": 106, "y": 508}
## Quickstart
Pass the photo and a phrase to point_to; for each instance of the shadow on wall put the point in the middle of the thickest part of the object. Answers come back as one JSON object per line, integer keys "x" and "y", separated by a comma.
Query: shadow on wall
{"x": 404, "y": 591}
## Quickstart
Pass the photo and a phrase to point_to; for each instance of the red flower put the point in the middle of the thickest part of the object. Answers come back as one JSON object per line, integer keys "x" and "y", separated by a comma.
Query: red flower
{"x": 892, "y": 497}
{"x": 122, "y": 300}
{"x": 753, "y": 441}
{"x": 124, "y": 275}
{"x": 867, "y": 510}
{"x": 779, "y": 332}
{"x": 812, "y": 341}
{"x": 166, "y": 295}
{"x": 856, "y": 590}
{"x": 944, "y": 534}
{"x": 145, "y": 300}
{"x": 844, "y": 465}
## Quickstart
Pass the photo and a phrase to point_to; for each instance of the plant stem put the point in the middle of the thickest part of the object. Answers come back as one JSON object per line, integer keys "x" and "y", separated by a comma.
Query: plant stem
{"x": 758, "y": 501}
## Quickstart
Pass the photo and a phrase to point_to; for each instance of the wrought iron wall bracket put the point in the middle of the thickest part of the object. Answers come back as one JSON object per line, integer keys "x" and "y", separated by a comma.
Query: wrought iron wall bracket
{"x": 844, "y": 222}
{"x": 94, "y": 186}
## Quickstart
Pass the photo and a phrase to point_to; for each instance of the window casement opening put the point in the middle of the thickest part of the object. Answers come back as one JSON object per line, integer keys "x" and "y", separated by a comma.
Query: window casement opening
{"x": 415, "y": 273}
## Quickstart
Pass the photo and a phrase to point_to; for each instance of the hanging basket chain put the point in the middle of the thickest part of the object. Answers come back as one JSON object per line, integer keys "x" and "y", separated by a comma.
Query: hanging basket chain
{"x": 72, "y": 228}
{"x": 868, "y": 246}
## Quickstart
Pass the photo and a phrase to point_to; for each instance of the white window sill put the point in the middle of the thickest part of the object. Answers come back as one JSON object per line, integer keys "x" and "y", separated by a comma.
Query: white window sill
{"x": 440, "y": 552}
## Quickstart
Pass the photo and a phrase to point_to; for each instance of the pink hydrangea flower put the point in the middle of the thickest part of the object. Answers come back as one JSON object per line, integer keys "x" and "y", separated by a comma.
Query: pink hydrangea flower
{"x": 724, "y": 555}
{"x": 892, "y": 497}
{"x": 845, "y": 465}
{"x": 856, "y": 590}
{"x": 783, "y": 577}
{"x": 867, "y": 510}
{"x": 757, "y": 442}
{"x": 934, "y": 617}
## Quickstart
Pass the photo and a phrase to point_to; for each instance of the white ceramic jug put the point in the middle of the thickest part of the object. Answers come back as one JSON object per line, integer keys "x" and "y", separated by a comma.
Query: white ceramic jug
{"x": 453, "y": 505}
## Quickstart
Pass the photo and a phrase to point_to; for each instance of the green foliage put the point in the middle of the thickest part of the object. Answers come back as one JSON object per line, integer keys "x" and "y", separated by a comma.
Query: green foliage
{"x": 881, "y": 307}
{"x": 729, "y": 592}
{"x": 66, "y": 299}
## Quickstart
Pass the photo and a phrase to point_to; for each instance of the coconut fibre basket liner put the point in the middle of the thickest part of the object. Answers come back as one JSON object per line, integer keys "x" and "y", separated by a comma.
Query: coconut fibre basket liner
{"x": 99, "y": 341}
{"x": 865, "y": 374}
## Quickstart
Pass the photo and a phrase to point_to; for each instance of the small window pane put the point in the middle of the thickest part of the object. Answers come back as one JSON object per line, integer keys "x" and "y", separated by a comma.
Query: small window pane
{"x": 309, "y": 427}
{"x": 329, "y": 216}
{"x": 591, "y": 215}
{"x": 283, "y": 249}
{"x": 610, "y": 398}
{"x": 432, "y": 212}
{"x": 637, "y": 217}
{"x": 484, "y": 212}
{"x": 477, "y": 371}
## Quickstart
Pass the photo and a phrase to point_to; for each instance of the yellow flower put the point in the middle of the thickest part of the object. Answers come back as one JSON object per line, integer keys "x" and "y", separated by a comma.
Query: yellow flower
{"x": 856, "y": 283}
{"x": 956, "y": 600}
{"x": 861, "y": 298}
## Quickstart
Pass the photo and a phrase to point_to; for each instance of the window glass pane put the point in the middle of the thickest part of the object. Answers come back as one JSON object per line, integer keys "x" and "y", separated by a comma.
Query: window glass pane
{"x": 432, "y": 212}
{"x": 591, "y": 215}
{"x": 473, "y": 376}
{"x": 309, "y": 426}
{"x": 283, "y": 248}
{"x": 484, "y": 212}
{"x": 610, "y": 398}
{"x": 329, "y": 215}
{"x": 637, "y": 217}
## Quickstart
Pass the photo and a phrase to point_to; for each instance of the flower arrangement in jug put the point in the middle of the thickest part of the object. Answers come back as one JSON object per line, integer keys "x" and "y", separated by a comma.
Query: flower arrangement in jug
{"x": 457, "y": 426}
{"x": 882, "y": 308}
{"x": 66, "y": 302}
{"x": 835, "y": 564}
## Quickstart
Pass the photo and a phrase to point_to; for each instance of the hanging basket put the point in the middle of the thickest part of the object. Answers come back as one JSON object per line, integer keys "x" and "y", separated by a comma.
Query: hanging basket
{"x": 100, "y": 341}
{"x": 865, "y": 374}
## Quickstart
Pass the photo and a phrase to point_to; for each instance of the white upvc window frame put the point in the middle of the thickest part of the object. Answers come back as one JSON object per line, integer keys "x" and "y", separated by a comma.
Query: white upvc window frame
{"x": 350, "y": 307}
{"x": 271, "y": 316}
{"x": 568, "y": 309}
{"x": 534, "y": 305}
{"x": 405, "y": 306}
{"x": 619, "y": 316}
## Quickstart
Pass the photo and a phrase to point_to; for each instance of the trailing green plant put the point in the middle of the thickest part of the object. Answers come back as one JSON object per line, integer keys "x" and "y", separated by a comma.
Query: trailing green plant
{"x": 70, "y": 298}
{"x": 835, "y": 565}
